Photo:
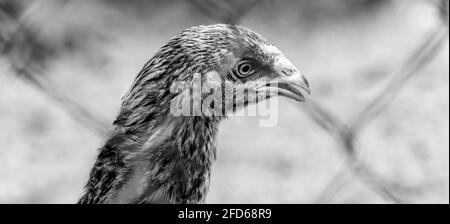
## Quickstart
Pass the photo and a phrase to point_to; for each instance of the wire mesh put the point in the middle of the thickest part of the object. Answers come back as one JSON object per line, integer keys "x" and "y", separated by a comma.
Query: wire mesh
{"x": 27, "y": 57}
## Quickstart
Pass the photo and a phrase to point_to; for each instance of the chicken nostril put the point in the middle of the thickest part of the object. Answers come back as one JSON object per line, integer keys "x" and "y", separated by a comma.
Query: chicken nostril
{"x": 288, "y": 72}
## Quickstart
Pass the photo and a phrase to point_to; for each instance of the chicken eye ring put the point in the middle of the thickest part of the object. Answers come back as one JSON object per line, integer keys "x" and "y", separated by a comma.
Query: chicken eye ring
{"x": 244, "y": 69}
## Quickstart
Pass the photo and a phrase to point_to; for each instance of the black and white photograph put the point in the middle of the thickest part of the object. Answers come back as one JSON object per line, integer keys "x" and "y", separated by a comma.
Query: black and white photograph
{"x": 234, "y": 102}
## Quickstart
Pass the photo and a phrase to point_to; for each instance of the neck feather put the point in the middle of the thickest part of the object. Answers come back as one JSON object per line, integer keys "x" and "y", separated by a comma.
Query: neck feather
{"x": 168, "y": 163}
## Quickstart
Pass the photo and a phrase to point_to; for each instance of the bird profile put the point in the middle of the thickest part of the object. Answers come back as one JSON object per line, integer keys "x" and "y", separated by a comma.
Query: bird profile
{"x": 163, "y": 143}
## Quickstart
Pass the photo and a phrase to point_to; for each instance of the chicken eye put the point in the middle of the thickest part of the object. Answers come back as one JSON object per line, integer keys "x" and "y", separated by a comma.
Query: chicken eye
{"x": 244, "y": 69}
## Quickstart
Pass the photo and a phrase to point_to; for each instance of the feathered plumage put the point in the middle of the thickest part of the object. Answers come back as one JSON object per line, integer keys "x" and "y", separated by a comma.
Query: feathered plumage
{"x": 157, "y": 156}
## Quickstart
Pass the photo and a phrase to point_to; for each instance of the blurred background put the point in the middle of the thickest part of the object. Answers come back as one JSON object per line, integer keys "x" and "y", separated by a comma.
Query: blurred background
{"x": 375, "y": 130}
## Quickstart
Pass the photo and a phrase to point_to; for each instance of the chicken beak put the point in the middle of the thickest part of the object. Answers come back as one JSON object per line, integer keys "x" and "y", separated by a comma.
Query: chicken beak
{"x": 288, "y": 81}
{"x": 294, "y": 87}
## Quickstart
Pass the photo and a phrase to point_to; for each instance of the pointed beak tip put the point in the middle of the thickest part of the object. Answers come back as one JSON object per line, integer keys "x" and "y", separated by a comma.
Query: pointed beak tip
{"x": 290, "y": 82}
{"x": 304, "y": 84}
{"x": 295, "y": 89}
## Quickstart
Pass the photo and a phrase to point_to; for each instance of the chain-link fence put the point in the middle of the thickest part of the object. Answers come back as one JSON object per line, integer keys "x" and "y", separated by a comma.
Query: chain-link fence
{"x": 27, "y": 56}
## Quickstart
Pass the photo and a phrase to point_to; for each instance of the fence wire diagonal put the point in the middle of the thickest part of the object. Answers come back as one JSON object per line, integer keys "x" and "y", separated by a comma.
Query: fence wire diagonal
{"x": 346, "y": 133}
{"x": 28, "y": 66}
